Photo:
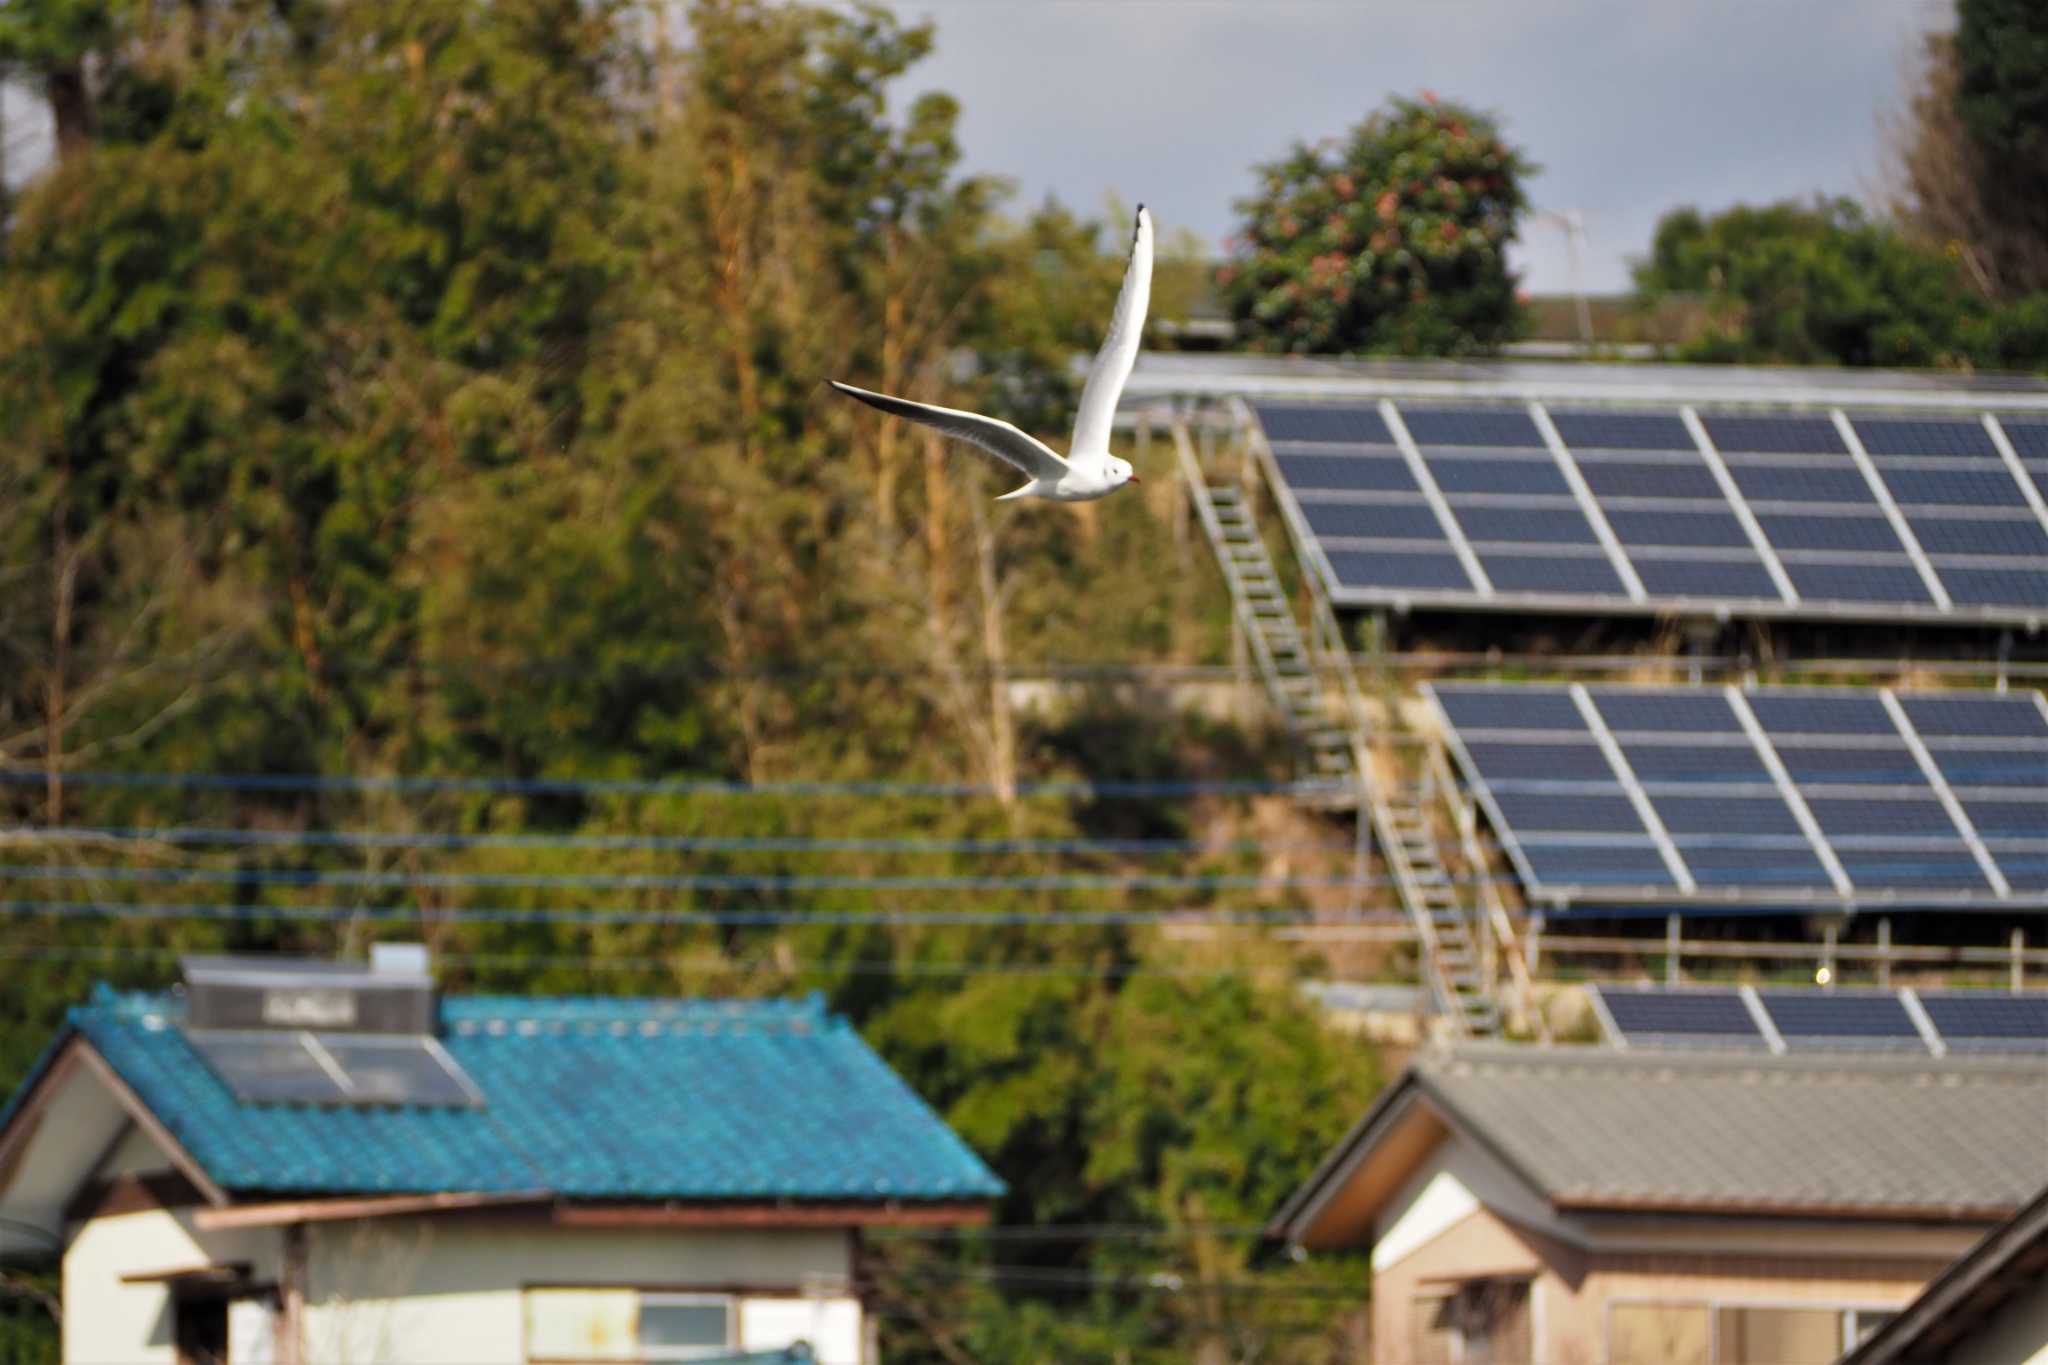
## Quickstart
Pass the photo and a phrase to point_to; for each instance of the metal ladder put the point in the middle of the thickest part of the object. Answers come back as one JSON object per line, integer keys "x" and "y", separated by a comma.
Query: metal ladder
{"x": 1264, "y": 615}
{"x": 1457, "y": 957}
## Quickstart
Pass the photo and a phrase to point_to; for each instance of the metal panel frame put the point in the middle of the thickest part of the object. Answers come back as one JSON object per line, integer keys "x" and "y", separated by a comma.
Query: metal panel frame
{"x": 1923, "y": 1021}
{"x": 1588, "y": 504}
{"x": 1788, "y": 790}
{"x": 1454, "y": 532}
{"x": 1633, "y": 789}
{"x": 1932, "y": 771}
{"x": 1764, "y": 1023}
{"x": 1510, "y": 843}
{"x": 1902, "y": 528}
{"x": 2016, "y": 467}
{"x": 1739, "y": 501}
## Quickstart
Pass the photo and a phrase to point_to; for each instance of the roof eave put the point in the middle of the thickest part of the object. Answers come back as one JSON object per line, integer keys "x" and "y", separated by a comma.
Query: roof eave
{"x": 1972, "y": 1288}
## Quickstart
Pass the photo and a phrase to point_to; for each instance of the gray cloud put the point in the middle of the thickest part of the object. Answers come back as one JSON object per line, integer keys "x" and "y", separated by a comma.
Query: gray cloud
{"x": 1630, "y": 106}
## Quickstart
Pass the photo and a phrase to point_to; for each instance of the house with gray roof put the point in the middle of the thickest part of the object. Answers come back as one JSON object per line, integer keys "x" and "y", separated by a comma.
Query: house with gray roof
{"x": 1601, "y": 1205}
{"x": 295, "y": 1161}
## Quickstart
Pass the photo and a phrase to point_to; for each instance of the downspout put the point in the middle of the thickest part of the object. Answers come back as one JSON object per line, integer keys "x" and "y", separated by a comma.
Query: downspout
{"x": 291, "y": 1298}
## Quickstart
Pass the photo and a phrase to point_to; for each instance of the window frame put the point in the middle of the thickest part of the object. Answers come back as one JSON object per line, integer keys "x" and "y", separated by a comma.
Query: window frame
{"x": 668, "y": 1298}
{"x": 1845, "y": 1315}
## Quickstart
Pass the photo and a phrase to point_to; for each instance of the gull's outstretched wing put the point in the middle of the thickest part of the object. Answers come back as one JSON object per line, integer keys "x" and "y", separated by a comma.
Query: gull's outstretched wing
{"x": 1119, "y": 351}
{"x": 1032, "y": 457}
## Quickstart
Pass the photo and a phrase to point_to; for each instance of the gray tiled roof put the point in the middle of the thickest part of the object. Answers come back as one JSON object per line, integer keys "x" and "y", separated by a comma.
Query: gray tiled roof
{"x": 1592, "y": 1126}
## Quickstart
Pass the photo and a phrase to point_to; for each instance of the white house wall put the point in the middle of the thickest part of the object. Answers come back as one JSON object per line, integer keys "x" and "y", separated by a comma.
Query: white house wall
{"x": 106, "y": 1320}
{"x": 1448, "y": 1184}
{"x": 449, "y": 1291}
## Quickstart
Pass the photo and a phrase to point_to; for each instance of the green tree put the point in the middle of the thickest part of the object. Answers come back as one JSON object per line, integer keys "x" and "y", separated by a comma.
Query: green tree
{"x": 1394, "y": 240}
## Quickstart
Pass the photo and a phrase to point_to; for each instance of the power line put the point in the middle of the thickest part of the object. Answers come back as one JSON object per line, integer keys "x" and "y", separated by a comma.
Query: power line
{"x": 652, "y": 881}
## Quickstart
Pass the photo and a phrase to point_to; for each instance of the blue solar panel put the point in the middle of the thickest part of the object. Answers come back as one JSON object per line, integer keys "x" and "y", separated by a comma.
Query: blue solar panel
{"x": 1390, "y": 570}
{"x": 1668, "y": 479}
{"x": 1551, "y": 573}
{"x": 1776, "y": 435}
{"x": 1529, "y": 525}
{"x": 1596, "y": 866}
{"x": 2018, "y": 716}
{"x": 1505, "y": 760}
{"x": 2029, "y": 439}
{"x": 1510, "y": 708}
{"x": 1354, "y": 473}
{"x": 1696, "y": 530}
{"x": 1738, "y": 578}
{"x": 1695, "y": 1013}
{"x": 1996, "y": 819}
{"x": 1951, "y": 870}
{"x": 1923, "y": 436}
{"x": 1694, "y": 711}
{"x": 2025, "y": 868}
{"x": 1622, "y": 430}
{"x": 2001, "y": 767}
{"x": 1991, "y": 486}
{"x": 1750, "y": 816}
{"x": 1471, "y": 427}
{"x": 1848, "y": 817}
{"x": 1994, "y": 587}
{"x": 1839, "y": 1014}
{"x": 1409, "y": 520}
{"x": 1965, "y": 1018}
{"x": 1836, "y": 581}
{"x": 1498, "y": 476}
{"x": 1322, "y": 422}
{"x": 1574, "y": 813}
{"x": 1788, "y": 868}
{"x": 1980, "y": 536}
{"x": 1886, "y": 765}
{"x": 1710, "y": 763}
{"x": 1854, "y": 532}
{"x": 1842, "y": 483}
{"x": 1790, "y": 712}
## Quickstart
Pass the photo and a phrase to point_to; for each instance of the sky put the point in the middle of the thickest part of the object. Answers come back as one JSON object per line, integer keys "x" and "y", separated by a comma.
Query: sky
{"x": 1631, "y": 107}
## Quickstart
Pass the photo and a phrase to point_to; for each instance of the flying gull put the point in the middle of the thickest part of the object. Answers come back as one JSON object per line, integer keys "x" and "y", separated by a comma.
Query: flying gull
{"x": 1088, "y": 471}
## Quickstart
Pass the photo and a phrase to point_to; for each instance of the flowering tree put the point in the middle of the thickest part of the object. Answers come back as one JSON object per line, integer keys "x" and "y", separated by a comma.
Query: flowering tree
{"x": 1393, "y": 241}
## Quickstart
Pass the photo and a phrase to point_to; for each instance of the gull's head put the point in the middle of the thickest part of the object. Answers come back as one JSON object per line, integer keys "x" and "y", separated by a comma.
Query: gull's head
{"x": 1121, "y": 473}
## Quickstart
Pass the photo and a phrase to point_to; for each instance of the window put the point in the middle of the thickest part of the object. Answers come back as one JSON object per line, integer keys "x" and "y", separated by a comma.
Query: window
{"x": 1777, "y": 1336}
{"x": 1479, "y": 1322}
{"x": 684, "y": 1326}
{"x": 1658, "y": 1334}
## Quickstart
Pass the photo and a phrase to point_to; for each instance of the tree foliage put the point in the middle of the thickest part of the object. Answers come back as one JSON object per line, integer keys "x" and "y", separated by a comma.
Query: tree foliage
{"x": 1393, "y": 240}
{"x": 435, "y": 388}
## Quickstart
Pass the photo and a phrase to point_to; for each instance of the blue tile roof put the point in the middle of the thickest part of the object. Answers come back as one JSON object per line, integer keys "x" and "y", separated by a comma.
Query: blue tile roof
{"x": 585, "y": 1098}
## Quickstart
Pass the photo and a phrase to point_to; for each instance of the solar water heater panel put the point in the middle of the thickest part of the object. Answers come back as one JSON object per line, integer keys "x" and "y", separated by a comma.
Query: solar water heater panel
{"x": 265, "y": 1067}
{"x": 408, "y": 1071}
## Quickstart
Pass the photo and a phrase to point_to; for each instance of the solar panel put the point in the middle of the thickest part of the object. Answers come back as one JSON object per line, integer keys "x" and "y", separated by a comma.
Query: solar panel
{"x": 1703, "y": 763}
{"x": 1409, "y": 519}
{"x": 1995, "y": 587}
{"x": 1801, "y": 712}
{"x": 1975, "y": 717}
{"x": 1792, "y": 531}
{"x": 1419, "y": 570}
{"x": 1719, "y": 815}
{"x": 1528, "y": 760}
{"x": 1986, "y": 486}
{"x": 398, "y": 1071}
{"x": 1946, "y": 871}
{"x": 2029, "y": 439}
{"x": 1891, "y": 581}
{"x": 1987, "y": 1020}
{"x": 1979, "y": 535}
{"x": 1464, "y": 475}
{"x": 1471, "y": 427}
{"x": 1574, "y": 813}
{"x": 1323, "y": 422}
{"x": 2007, "y": 819}
{"x": 267, "y": 1068}
{"x": 1781, "y": 482}
{"x": 2005, "y": 766}
{"x": 1890, "y": 816}
{"x": 1526, "y": 524}
{"x": 1774, "y": 435}
{"x": 1923, "y": 436}
{"x": 1696, "y": 711}
{"x": 1477, "y": 707}
{"x": 1552, "y": 574}
{"x": 1662, "y": 479}
{"x": 1697, "y": 1015}
{"x": 1703, "y": 529}
{"x": 1604, "y": 866}
{"x": 1769, "y": 868}
{"x": 1840, "y": 1016}
{"x": 1357, "y": 473}
{"x": 1729, "y": 578}
{"x": 1622, "y": 430}
{"x": 1862, "y": 765}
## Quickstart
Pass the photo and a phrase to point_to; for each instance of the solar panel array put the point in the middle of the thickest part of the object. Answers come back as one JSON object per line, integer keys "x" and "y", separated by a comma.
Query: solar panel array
{"x": 263, "y": 1066}
{"x": 1870, "y": 516}
{"x": 1767, "y": 797}
{"x": 1782, "y": 1020}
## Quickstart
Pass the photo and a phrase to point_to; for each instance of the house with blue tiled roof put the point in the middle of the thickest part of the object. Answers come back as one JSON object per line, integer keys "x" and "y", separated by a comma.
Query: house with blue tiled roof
{"x": 292, "y": 1161}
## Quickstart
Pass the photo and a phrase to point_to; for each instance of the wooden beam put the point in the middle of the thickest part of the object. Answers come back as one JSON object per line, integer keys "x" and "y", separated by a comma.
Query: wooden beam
{"x": 289, "y": 1212}
{"x": 14, "y": 1139}
{"x": 834, "y": 1215}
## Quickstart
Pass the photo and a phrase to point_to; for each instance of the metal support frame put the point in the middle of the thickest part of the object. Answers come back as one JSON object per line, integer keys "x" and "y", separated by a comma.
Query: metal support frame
{"x": 1880, "y": 490}
{"x": 1932, "y": 772}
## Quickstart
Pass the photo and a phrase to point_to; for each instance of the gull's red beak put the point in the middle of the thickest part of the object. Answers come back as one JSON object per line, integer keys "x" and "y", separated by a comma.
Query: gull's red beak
{"x": 1136, "y": 479}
